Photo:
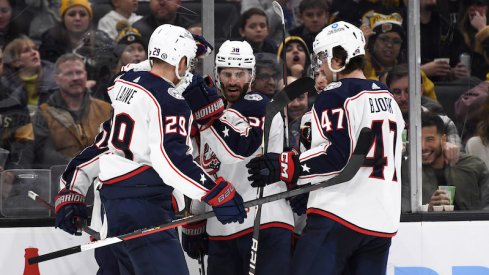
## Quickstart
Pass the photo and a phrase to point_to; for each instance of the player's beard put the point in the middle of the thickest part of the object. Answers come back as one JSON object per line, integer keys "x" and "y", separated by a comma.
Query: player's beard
{"x": 233, "y": 96}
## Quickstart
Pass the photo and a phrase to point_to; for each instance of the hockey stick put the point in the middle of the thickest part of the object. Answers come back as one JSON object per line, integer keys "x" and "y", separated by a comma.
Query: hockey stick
{"x": 34, "y": 196}
{"x": 280, "y": 12}
{"x": 202, "y": 264}
{"x": 278, "y": 102}
{"x": 350, "y": 170}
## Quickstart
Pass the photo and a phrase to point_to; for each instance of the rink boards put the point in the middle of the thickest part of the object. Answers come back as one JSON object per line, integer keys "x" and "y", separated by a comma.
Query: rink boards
{"x": 420, "y": 248}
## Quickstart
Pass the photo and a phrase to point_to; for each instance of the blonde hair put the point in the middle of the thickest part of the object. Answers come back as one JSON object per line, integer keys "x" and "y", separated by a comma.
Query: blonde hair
{"x": 12, "y": 51}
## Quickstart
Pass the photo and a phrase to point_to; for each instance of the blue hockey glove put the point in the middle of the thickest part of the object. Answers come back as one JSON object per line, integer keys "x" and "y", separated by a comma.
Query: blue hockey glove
{"x": 273, "y": 167}
{"x": 226, "y": 202}
{"x": 195, "y": 240}
{"x": 71, "y": 211}
{"x": 298, "y": 203}
{"x": 204, "y": 48}
{"x": 204, "y": 102}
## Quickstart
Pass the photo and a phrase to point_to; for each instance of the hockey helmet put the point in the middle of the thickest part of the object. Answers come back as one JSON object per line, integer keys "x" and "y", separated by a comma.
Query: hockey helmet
{"x": 171, "y": 43}
{"x": 235, "y": 54}
{"x": 342, "y": 34}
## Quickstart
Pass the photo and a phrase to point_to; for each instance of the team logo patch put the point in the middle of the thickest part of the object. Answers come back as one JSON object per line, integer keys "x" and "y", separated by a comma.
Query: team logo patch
{"x": 163, "y": 56}
{"x": 255, "y": 97}
{"x": 333, "y": 85}
{"x": 173, "y": 92}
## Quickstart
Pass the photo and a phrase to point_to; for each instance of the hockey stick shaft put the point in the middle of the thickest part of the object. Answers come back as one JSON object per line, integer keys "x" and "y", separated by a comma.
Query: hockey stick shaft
{"x": 350, "y": 170}
{"x": 34, "y": 196}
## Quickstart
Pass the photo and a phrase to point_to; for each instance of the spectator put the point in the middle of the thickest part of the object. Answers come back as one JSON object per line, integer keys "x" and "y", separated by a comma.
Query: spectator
{"x": 398, "y": 82}
{"x": 314, "y": 15}
{"x": 295, "y": 110}
{"x": 45, "y": 17}
{"x": 9, "y": 28}
{"x": 28, "y": 72}
{"x": 475, "y": 31}
{"x": 479, "y": 145}
{"x": 385, "y": 42}
{"x": 297, "y": 56}
{"x": 291, "y": 15}
{"x": 64, "y": 37}
{"x": 440, "y": 39}
{"x": 123, "y": 10}
{"x": 162, "y": 12}
{"x": 130, "y": 47}
{"x": 253, "y": 28}
{"x": 68, "y": 122}
{"x": 268, "y": 73}
{"x": 16, "y": 134}
{"x": 469, "y": 175}
{"x": 466, "y": 109}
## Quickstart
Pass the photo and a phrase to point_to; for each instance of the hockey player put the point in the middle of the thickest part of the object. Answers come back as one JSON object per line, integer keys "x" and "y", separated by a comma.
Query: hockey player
{"x": 226, "y": 146}
{"x": 349, "y": 225}
{"x": 146, "y": 156}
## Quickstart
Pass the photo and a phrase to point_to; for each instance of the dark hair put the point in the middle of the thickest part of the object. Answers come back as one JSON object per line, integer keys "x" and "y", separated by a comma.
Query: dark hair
{"x": 429, "y": 119}
{"x": 397, "y": 72}
{"x": 249, "y": 13}
{"x": 355, "y": 63}
{"x": 310, "y": 4}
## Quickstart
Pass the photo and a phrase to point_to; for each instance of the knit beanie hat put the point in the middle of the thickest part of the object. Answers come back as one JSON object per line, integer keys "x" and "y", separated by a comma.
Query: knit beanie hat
{"x": 66, "y": 4}
{"x": 380, "y": 23}
{"x": 127, "y": 35}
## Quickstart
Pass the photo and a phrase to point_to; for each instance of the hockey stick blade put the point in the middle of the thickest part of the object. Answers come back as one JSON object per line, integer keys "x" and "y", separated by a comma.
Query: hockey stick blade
{"x": 350, "y": 170}
{"x": 35, "y": 197}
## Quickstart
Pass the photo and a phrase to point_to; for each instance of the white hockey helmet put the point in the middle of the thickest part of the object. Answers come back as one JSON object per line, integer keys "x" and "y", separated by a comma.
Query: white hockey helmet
{"x": 343, "y": 34}
{"x": 170, "y": 43}
{"x": 235, "y": 54}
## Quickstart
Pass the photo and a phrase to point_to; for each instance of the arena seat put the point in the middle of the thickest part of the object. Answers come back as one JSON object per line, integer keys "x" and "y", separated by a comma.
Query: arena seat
{"x": 448, "y": 92}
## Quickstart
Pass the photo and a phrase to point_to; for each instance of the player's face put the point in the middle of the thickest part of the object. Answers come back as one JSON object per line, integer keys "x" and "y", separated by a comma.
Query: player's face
{"x": 320, "y": 81}
{"x": 400, "y": 91}
{"x": 387, "y": 47}
{"x": 234, "y": 82}
{"x": 255, "y": 29}
{"x": 314, "y": 19}
{"x": 266, "y": 81}
{"x": 431, "y": 145}
{"x": 76, "y": 19}
{"x": 297, "y": 107}
{"x": 295, "y": 56}
{"x": 133, "y": 53}
{"x": 72, "y": 78}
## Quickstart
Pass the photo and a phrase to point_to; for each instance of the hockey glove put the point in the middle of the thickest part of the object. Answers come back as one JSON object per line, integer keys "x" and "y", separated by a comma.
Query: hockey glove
{"x": 71, "y": 211}
{"x": 195, "y": 240}
{"x": 204, "y": 102}
{"x": 204, "y": 48}
{"x": 273, "y": 167}
{"x": 226, "y": 202}
{"x": 298, "y": 203}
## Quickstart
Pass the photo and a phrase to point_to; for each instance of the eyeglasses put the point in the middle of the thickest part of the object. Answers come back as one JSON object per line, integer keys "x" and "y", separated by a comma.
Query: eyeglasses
{"x": 266, "y": 77}
{"x": 393, "y": 41}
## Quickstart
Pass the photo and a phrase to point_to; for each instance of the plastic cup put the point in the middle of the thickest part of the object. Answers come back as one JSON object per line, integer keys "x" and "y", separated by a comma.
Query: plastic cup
{"x": 448, "y": 208}
{"x": 449, "y": 190}
{"x": 442, "y": 60}
{"x": 437, "y": 208}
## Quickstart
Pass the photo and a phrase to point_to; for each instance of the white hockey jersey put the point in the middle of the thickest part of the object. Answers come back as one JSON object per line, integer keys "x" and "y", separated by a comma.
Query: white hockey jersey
{"x": 370, "y": 203}
{"x": 227, "y": 146}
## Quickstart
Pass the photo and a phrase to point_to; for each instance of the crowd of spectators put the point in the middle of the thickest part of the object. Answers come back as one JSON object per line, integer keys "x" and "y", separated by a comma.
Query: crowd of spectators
{"x": 58, "y": 57}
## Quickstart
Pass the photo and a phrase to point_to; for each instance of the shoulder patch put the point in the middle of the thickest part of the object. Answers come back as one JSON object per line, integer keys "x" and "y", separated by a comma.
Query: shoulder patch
{"x": 333, "y": 85}
{"x": 375, "y": 87}
{"x": 255, "y": 97}
{"x": 173, "y": 92}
